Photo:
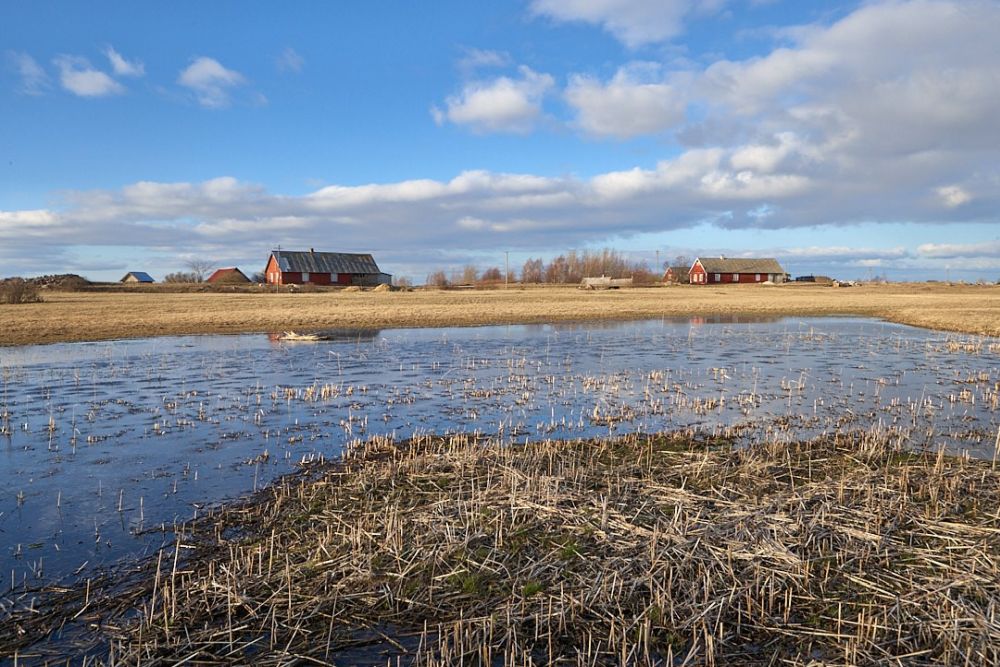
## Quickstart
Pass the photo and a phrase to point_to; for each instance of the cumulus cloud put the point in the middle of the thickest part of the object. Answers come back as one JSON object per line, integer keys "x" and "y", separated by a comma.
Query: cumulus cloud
{"x": 123, "y": 67}
{"x": 34, "y": 80}
{"x": 632, "y": 22}
{"x": 210, "y": 82}
{"x": 78, "y": 77}
{"x": 635, "y": 101}
{"x": 503, "y": 104}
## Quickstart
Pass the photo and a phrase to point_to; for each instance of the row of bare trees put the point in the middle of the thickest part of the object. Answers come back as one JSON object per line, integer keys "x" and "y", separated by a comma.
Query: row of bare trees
{"x": 569, "y": 268}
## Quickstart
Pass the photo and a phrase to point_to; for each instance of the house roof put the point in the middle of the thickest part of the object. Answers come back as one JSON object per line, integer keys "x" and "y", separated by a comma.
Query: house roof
{"x": 229, "y": 273}
{"x": 324, "y": 262}
{"x": 740, "y": 265}
{"x": 141, "y": 276}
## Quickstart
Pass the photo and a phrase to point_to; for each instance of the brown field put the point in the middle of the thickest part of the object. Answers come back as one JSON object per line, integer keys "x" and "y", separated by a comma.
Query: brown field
{"x": 642, "y": 550}
{"x": 76, "y": 316}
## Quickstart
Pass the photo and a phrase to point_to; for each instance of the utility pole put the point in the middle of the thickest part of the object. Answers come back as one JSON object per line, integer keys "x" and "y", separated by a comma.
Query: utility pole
{"x": 506, "y": 268}
{"x": 658, "y": 268}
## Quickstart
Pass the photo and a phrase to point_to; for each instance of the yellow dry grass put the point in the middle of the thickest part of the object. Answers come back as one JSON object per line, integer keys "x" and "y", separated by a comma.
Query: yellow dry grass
{"x": 75, "y": 316}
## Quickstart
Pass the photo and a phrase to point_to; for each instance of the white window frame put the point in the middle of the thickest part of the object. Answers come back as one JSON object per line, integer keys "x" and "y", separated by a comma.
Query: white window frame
{"x": 718, "y": 277}
{"x": 305, "y": 277}
{"x": 756, "y": 277}
{"x": 736, "y": 277}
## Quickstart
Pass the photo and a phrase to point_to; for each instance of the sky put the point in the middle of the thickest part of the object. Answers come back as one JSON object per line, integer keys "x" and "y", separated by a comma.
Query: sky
{"x": 850, "y": 139}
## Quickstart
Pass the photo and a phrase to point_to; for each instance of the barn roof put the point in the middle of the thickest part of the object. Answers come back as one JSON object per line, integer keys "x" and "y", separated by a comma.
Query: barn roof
{"x": 740, "y": 265}
{"x": 325, "y": 262}
{"x": 141, "y": 276}
{"x": 229, "y": 274}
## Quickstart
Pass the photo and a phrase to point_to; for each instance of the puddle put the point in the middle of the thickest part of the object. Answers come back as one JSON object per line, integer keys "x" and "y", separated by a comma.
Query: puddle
{"x": 104, "y": 446}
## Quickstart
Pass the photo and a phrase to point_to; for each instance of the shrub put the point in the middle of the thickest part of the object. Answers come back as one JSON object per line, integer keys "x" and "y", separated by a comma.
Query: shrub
{"x": 181, "y": 277}
{"x": 18, "y": 290}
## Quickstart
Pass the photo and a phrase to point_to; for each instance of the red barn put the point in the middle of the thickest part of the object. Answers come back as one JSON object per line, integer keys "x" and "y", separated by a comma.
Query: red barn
{"x": 721, "y": 270}
{"x": 294, "y": 267}
{"x": 229, "y": 275}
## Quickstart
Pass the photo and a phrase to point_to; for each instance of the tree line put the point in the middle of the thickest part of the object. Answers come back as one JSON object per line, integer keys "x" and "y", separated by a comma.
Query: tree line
{"x": 566, "y": 269}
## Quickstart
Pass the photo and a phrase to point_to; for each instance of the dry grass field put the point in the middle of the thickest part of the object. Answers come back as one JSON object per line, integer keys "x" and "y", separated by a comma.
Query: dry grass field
{"x": 643, "y": 550}
{"x": 76, "y": 316}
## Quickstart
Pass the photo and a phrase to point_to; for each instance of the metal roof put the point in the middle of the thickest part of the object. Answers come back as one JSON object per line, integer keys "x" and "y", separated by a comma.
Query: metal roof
{"x": 141, "y": 276}
{"x": 740, "y": 265}
{"x": 324, "y": 262}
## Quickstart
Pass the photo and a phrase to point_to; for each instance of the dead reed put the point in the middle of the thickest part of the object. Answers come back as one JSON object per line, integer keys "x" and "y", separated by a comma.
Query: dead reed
{"x": 639, "y": 550}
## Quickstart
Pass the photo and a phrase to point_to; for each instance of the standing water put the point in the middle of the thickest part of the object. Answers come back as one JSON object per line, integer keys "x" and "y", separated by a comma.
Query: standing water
{"x": 105, "y": 446}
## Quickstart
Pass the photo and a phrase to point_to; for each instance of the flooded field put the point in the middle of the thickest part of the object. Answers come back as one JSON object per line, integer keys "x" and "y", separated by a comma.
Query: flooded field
{"x": 106, "y": 445}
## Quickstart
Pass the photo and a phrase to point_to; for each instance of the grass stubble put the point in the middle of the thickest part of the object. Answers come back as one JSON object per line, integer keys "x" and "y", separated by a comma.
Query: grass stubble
{"x": 643, "y": 549}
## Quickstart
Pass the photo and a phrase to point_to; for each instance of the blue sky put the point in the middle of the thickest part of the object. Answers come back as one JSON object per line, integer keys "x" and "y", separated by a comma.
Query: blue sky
{"x": 844, "y": 138}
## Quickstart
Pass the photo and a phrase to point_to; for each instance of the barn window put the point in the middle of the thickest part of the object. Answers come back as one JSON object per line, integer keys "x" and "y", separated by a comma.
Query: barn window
{"x": 305, "y": 276}
{"x": 334, "y": 278}
{"x": 756, "y": 277}
{"x": 736, "y": 277}
{"x": 718, "y": 277}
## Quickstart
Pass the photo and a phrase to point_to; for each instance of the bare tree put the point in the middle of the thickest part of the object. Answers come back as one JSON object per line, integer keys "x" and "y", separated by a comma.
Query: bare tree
{"x": 469, "y": 275}
{"x": 491, "y": 275}
{"x": 533, "y": 271}
{"x": 437, "y": 279}
{"x": 199, "y": 267}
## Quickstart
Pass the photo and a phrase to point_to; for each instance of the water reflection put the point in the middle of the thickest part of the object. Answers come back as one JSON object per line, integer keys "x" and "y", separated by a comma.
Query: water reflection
{"x": 105, "y": 445}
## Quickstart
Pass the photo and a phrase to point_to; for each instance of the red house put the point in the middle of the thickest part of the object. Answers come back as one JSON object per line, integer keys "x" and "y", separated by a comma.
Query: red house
{"x": 720, "y": 270}
{"x": 294, "y": 267}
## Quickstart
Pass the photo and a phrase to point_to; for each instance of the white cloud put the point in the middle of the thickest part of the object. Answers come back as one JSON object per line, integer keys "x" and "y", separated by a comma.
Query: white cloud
{"x": 123, "y": 67}
{"x": 635, "y": 101}
{"x": 633, "y": 22}
{"x": 503, "y": 104}
{"x": 210, "y": 82}
{"x": 34, "y": 80}
{"x": 290, "y": 61}
{"x": 473, "y": 59}
{"x": 78, "y": 77}
{"x": 19, "y": 224}
{"x": 953, "y": 195}
{"x": 960, "y": 250}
